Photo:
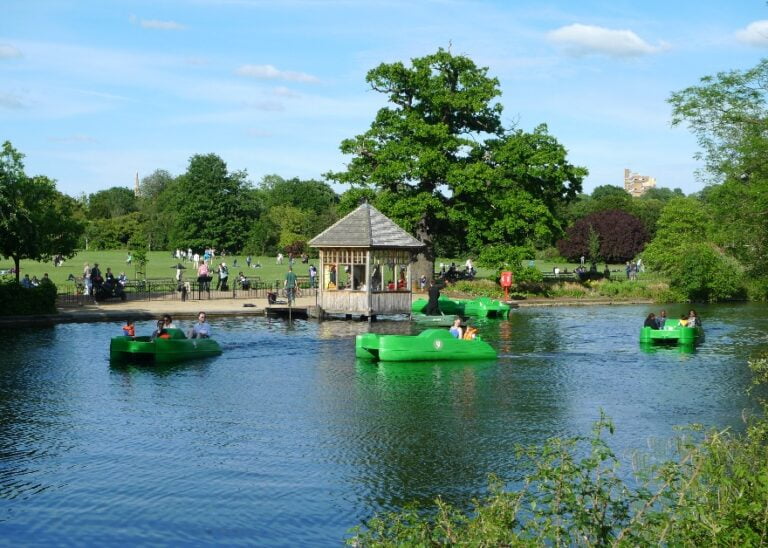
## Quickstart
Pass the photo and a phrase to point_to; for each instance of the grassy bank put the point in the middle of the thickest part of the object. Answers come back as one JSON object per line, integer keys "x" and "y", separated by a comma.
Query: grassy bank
{"x": 161, "y": 264}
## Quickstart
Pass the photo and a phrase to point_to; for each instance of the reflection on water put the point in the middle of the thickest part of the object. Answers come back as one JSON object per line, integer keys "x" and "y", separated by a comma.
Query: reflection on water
{"x": 287, "y": 439}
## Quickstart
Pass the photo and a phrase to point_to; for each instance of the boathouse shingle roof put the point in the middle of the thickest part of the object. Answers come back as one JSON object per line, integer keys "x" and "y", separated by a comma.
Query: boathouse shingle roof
{"x": 367, "y": 227}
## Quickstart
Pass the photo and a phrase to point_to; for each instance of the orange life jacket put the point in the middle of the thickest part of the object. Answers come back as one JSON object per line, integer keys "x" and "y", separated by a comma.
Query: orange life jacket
{"x": 470, "y": 333}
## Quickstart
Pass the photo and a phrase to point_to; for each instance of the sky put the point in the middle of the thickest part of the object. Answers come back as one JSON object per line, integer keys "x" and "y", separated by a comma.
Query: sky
{"x": 93, "y": 92}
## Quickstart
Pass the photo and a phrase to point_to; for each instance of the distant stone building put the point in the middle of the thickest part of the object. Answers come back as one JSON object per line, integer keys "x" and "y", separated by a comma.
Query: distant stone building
{"x": 637, "y": 185}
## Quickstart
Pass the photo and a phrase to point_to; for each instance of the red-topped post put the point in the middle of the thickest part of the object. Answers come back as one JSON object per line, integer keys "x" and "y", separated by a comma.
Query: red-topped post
{"x": 506, "y": 283}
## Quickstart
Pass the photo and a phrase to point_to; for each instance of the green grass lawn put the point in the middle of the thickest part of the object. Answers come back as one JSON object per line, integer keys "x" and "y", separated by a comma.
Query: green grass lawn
{"x": 160, "y": 264}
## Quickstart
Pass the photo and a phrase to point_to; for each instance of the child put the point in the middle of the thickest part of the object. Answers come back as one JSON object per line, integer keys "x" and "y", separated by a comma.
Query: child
{"x": 684, "y": 320}
{"x": 129, "y": 330}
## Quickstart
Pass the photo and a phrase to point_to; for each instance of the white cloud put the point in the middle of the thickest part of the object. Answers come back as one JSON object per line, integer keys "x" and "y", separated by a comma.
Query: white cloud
{"x": 268, "y": 72}
{"x": 282, "y": 91}
{"x": 578, "y": 39}
{"x": 7, "y": 51}
{"x": 755, "y": 34}
{"x": 10, "y": 101}
{"x": 156, "y": 24}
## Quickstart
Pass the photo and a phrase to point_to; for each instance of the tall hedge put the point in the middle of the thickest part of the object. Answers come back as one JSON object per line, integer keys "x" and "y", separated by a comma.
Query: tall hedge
{"x": 622, "y": 236}
{"x": 16, "y": 300}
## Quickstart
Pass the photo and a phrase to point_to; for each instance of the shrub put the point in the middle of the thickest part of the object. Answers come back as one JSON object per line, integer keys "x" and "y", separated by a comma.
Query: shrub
{"x": 703, "y": 273}
{"x": 550, "y": 254}
{"x": 478, "y": 288}
{"x": 710, "y": 493}
{"x": 16, "y": 300}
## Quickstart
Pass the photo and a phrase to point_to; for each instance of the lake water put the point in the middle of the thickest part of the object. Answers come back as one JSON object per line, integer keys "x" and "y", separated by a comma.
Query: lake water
{"x": 285, "y": 439}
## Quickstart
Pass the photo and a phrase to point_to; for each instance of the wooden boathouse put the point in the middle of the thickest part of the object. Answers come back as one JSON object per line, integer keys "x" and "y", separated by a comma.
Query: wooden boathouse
{"x": 365, "y": 265}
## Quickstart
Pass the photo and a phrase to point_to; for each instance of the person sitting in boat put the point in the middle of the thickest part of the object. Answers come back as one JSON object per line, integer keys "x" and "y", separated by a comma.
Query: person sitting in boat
{"x": 470, "y": 333}
{"x": 693, "y": 319}
{"x": 160, "y": 332}
{"x": 456, "y": 329}
{"x": 168, "y": 322}
{"x": 683, "y": 321}
{"x": 129, "y": 329}
{"x": 661, "y": 319}
{"x": 650, "y": 321}
{"x": 202, "y": 329}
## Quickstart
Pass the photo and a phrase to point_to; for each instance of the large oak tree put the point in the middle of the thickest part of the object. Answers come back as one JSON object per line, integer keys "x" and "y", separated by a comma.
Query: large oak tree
{"x": 439, "y": 146}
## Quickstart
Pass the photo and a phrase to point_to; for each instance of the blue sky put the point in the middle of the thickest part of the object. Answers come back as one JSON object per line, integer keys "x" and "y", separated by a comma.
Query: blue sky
{"x": 93, "y": 91}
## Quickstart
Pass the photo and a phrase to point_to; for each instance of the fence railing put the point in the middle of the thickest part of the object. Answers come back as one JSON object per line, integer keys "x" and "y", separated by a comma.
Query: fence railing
{"x": 72, "y": 293}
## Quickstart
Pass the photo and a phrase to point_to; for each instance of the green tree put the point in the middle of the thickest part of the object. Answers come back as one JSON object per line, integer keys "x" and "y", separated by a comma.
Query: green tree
{"x": 729, "y": 116}
{"x": 114, "y": 233}
{"x": 508, "y": 198}
{"x": 154, "y": 184}
{"x": 683, "y": 250}
{"x": 213, "y": 206}
{"x": 316, "y": 199}
{"x": 36, "y": 221}
{"x": 739, "y": 213}
{"x": 604, "y": 192}
{"x": 727, "y": 113}
{"x": 113, "y": 202}
{"x": 412, "y": 151}
{"x": 157, "y": 204}
{"x": 440, "y": 144}
{"x": 682, "y": 221}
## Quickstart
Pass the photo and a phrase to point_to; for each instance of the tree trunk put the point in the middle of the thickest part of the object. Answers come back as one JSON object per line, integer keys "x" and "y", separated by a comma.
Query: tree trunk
{"x": 16, "y": 263}
{"x": 425, "y": 260}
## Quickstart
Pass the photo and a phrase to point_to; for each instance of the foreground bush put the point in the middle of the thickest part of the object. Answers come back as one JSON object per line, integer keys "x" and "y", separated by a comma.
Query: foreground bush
{"x": 19, "y": 301}
{"x": 714, "y": 492}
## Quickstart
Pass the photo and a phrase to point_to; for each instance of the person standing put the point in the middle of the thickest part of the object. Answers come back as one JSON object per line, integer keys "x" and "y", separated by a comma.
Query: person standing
{"x": 87, "y": 279}
{"x": 203, "y": 279}
{"x": 433, "y": 305}
{"x": 312, "y": 276}
{"x": 224, "y": 276}
{"x": 290, "y": 285}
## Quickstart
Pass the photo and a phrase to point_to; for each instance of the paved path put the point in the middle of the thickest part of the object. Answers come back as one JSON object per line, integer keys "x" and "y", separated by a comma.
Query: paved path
{"x": 146, "y": 310}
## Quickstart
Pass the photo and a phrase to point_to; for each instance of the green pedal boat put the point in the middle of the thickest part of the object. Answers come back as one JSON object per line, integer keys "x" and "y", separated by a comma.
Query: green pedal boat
{"x": 177, "y": 348}
{"x": 482, "y": 307}
{"x": 429, "y": 345}
{"x": 435, "y": 321}
{"x": 672, "y": 334}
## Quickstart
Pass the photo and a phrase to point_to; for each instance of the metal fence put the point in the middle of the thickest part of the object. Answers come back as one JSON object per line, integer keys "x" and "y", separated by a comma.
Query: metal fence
{"x": 72, "y": 293}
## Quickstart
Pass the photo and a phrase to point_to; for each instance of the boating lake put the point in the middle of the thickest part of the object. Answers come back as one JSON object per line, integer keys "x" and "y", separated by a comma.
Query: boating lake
{"x": 285, "y": 439}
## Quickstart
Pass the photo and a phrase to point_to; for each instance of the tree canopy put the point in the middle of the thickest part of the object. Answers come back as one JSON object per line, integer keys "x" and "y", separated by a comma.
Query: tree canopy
{"x": 213, "y": 205}
{"x": 113, "y": 202}
{"x": 621, "y": 237}
{"x": 36, "y": 221}
{"x": 439, "y": 146}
